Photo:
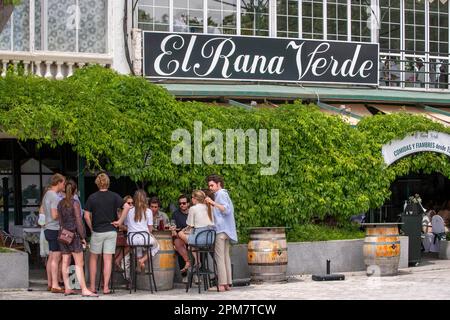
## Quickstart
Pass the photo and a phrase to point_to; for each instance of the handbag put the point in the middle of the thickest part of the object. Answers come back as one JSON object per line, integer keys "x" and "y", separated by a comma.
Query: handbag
{"x": 66, "y": 236}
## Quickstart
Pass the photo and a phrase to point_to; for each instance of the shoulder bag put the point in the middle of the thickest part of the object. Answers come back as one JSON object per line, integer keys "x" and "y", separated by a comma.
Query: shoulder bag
{"x": 65, "y": 236}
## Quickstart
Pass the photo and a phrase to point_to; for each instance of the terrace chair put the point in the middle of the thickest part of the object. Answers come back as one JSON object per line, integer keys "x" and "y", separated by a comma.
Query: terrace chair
{"x": 202, "y": 268}
{"x": 10, "y": 241}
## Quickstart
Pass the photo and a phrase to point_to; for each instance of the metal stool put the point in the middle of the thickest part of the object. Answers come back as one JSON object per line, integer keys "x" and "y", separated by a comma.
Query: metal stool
{"x": 147, "y": 250}
{"x": 202, "y": 268}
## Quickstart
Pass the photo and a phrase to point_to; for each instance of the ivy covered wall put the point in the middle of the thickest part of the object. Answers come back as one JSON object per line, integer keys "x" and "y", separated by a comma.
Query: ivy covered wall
{"x": 326, "y": 167}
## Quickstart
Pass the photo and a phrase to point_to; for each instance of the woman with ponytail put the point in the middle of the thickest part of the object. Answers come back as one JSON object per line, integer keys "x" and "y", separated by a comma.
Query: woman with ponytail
{"x": 200, "y": 218}
{"x": 70, "y": 219}
{"x": 139, "y": 219}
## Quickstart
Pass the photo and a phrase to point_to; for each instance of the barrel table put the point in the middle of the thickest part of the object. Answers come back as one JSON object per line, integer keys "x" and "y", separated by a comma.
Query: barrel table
{"x": 163, "y": 264}
{"x": 381, "y": 249}
{"x": 267, "y": 254}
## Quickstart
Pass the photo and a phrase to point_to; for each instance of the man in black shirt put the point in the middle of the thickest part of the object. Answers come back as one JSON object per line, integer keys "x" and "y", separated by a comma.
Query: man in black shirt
{"x": 100, "y": 211}
{"x": 180, "y": 216}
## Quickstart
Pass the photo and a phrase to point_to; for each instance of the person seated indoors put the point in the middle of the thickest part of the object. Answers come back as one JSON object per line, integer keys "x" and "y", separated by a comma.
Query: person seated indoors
{"x": 180, "y": 216}
{"x": 139, "y": 219}
{"x": 200, "y": 218}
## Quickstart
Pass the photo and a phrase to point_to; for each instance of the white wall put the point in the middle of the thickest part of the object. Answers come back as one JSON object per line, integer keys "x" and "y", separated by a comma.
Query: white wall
{"x": 116, "y": 36}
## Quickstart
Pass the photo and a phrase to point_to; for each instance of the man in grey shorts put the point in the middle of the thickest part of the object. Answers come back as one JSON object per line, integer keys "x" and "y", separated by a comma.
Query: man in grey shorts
{"x": 100, "y": 211}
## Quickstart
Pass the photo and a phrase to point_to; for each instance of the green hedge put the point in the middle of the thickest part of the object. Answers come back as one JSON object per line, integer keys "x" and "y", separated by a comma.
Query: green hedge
{"x": 327, "y": 168}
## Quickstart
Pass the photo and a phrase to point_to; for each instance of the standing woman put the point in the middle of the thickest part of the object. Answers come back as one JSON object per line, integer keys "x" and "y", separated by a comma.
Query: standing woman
{"x": 225, "y": 229}
{"x": 70, "y": 218}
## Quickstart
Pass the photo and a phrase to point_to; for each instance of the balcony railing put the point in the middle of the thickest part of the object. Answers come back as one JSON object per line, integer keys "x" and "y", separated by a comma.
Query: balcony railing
{"x": 422, "y": 71}
{"x": 51, "y": 65}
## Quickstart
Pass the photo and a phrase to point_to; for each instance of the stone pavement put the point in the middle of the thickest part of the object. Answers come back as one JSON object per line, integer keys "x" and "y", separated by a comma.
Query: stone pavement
{"x": 429, "y": 281}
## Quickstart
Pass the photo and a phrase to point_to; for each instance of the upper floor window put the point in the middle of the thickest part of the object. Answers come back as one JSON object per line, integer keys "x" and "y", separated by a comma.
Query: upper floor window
{"x": 222, "y": 16}
{"x": 337, "y": 20}
{"x": 59, "y": 25}
{"x": 438, "y": 28}
{"x": 255, "y": 17}
{"x": 312, "y": 17}
{"x": 287, "y": 18}
{"x": 153, "y": 15}
{"x": 390, "y": 26}
{"x": 360, "y": 21}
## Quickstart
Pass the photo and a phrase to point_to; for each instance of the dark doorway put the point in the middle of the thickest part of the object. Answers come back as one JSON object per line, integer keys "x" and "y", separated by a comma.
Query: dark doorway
{"x": 433, "y": 189}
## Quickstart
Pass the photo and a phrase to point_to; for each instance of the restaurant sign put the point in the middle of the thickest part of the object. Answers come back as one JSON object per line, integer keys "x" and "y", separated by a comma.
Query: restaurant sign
{"x": 225, "y": 57}
{"x": 430, "y": 141}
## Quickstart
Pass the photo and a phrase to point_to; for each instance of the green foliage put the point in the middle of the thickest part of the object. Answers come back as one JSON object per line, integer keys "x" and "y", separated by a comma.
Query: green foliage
{"x": 124, "y": 124}
{"x": 5, "y": 250}
{"x": 317, "y": 232}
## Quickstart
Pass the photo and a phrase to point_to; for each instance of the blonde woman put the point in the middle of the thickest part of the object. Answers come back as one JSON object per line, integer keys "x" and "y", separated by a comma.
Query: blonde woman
{"x": 200, "y": 218}
{"x": 139, "y": 219}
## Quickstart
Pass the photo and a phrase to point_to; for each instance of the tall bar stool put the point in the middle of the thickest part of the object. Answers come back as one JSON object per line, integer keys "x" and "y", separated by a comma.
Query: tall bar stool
{"x": 146, "y": 247}
{"x": 202, "y": 268}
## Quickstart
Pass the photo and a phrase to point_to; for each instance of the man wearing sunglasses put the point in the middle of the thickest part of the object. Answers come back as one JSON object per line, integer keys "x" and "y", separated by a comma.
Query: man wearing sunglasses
{"x": 180, "y": 215}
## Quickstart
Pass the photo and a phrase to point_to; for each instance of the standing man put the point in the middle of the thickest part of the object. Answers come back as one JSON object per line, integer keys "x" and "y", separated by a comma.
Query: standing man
{"x": 100, "y": 211}
{"x": 225, "y": 229}
{"x": 180, "y": 215}
{"x": 159, "y": 218}
{"x": 51, "y": 230}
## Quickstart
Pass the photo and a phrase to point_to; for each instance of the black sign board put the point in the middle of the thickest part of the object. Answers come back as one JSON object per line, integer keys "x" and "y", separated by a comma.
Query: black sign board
{"x": 225, "y": 57}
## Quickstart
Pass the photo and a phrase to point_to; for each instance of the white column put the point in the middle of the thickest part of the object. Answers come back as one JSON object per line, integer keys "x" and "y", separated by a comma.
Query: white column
{"x": 324, "y": 12}
{"x": 171, "y": 15}
{"x": 402, "y": 42}
{"x": 16, "y": 66}
{"x": 238, "y": 17}
{"x": 349, "y": 20}
{"x": 32, "y": 23}
{"x": 427, "y": 45}
{"x": 375, "y": 22}
{"x": 38, "y": 71}
{"x": 300, "y": 19}
{"x": 272, "y": 18}
{"x": 205, "y": 16}
{"x": 44, "y": 23}
{"x": 59, "y": 75}
{"x": 48, "y": 73}
{"x": 69, "y": 69}
{"x": 26, "y": 67}
{"x": 4, "y": 68}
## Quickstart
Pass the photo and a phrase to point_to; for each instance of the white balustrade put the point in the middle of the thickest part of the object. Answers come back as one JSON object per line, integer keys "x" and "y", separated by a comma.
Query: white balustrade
{"x": 51, "y": 65}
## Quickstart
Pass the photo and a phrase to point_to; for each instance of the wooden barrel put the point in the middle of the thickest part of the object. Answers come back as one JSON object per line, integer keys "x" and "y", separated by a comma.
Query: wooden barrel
{"x": 267, "y": 255}
{"x": 382, "y": 249}
{"x": 163, "y": 263}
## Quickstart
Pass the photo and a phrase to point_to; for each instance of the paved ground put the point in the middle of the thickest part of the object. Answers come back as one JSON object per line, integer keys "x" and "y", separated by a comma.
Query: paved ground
{"x": 430, "y": 280}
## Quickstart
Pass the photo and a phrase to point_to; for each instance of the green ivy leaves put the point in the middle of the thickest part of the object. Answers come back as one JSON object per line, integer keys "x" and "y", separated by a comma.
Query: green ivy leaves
{"x": 124, "y": 124}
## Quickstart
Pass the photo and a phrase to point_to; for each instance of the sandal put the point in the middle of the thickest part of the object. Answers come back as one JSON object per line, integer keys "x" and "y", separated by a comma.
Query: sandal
{"x": 186, "y": 267}
{"x": 91, "y": 295}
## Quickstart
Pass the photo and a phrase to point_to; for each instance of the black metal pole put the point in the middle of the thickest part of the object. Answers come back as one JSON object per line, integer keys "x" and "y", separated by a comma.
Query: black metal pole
{"x": 5, "y": 204}
{"x": 328, "y": 266}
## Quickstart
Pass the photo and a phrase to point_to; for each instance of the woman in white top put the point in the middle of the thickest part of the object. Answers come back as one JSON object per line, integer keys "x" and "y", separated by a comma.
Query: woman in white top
{"x": 139, "y": 219}
{"x": 200, "y": 218}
